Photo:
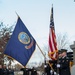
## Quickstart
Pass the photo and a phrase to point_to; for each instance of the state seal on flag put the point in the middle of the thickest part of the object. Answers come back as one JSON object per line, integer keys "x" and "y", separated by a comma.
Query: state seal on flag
{"x": 24, "y": 38}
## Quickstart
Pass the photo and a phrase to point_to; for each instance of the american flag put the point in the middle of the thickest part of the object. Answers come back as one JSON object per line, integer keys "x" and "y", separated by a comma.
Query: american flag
{"x": 52, "y": 39}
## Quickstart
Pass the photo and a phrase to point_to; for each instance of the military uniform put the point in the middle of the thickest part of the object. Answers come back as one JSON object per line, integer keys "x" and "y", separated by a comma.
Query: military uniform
{"x": 64, "y": 68}
{"x": 54, "y": 66}
{"x": 59, "y": 60}
{"x": 47, "y": 69}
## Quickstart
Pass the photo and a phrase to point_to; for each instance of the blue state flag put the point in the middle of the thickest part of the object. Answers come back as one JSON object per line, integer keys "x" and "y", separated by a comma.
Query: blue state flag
{"x": 21, "y": 44}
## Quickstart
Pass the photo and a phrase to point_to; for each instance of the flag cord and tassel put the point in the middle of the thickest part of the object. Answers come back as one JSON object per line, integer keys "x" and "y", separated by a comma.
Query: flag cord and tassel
{"x": 45, "y": 57}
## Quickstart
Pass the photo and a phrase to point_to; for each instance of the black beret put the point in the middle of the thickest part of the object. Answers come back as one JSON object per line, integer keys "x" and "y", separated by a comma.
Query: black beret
{"x": 63, "y": 50}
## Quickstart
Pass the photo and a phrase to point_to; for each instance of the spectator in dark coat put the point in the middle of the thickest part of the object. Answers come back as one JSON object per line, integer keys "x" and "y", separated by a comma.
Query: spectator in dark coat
{"x": 33, "y": 71}
{"x": 1, "y": 70}
{"x": 5, "y": 70}
{"x": 25, "y": 71}
{"x": 11, "y": 71}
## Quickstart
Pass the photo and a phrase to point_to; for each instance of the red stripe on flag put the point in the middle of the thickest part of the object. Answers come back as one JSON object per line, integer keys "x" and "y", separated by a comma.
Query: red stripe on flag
{"x": 50, "y": 45}
{"x": 54, "y": 39}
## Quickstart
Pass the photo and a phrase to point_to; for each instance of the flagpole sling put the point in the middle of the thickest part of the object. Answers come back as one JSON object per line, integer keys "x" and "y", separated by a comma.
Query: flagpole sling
{"x": 45, "y": 57}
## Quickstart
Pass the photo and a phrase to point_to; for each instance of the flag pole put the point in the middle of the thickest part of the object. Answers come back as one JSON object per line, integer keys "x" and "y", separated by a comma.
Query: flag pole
{"x": 17, "y": 14}
{"x": 41, "y": 50}
{"x": 45, "y": 57}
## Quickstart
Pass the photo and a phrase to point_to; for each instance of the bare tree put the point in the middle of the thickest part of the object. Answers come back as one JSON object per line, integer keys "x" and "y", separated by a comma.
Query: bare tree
{"x": 5, "y": 33}
{"x": 63, "y": 41}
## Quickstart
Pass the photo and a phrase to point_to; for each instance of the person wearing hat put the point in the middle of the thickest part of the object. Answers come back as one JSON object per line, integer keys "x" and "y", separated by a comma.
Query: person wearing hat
{"x": 63, "y": 65}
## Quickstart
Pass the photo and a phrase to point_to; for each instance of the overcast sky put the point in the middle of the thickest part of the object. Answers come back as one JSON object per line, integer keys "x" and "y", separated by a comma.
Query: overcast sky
{"x": 36, "y": 16}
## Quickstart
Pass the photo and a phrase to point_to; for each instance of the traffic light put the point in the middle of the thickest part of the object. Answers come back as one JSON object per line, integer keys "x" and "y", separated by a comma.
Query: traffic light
{"x": 70, "y": 56}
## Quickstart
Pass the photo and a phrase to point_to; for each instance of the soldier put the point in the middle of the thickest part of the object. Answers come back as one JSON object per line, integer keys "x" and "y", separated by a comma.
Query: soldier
{"x": 59, "y": 60}
{"x": 53, "y": 64}
{"x": 63, "y": 65}
{"x": 47, "y": 69}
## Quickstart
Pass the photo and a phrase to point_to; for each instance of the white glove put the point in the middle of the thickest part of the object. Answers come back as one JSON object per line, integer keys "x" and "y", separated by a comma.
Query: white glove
{"x": 58, "y": 65}
{"x": 45, "y": 66}
{"x": 55, "y": 73}
{"x": 51, "y": 71}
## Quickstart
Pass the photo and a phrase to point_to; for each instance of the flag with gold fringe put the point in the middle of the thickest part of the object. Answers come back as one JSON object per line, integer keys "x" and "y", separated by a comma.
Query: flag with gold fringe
{"x": 52, "y": 39}
{"x": 21, "y": 44}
